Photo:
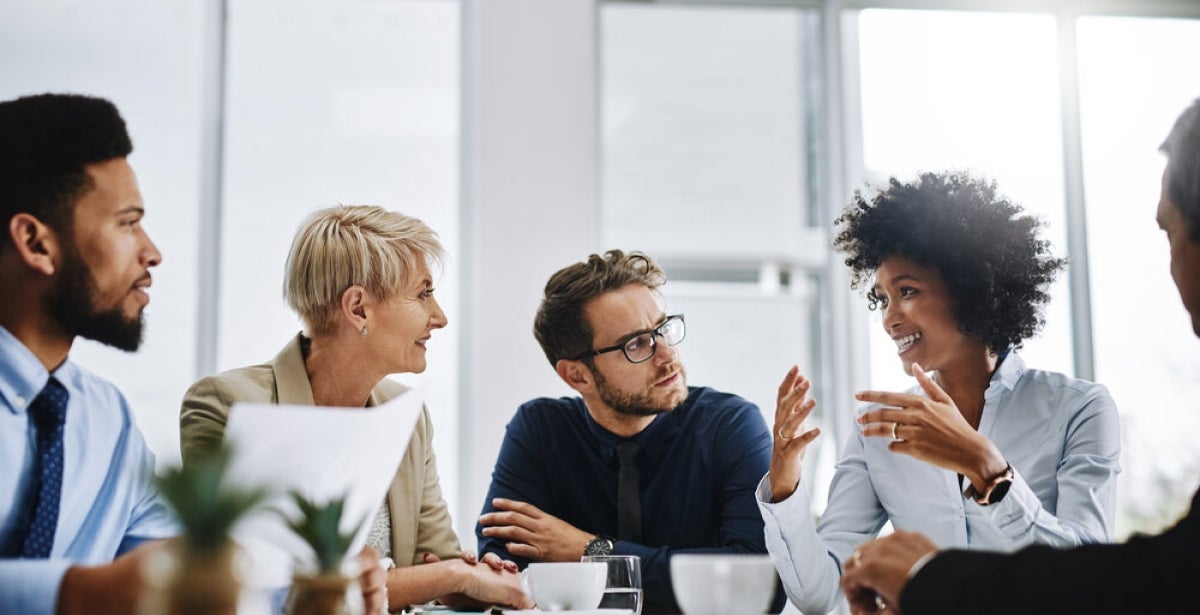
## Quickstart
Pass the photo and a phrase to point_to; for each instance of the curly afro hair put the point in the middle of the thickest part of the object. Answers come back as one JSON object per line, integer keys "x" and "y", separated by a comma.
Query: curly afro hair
{"x": 987, "y": 251}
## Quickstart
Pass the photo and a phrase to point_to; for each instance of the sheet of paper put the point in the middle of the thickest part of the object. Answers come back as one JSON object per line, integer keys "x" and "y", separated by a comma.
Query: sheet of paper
{"x": 323, "y": 453}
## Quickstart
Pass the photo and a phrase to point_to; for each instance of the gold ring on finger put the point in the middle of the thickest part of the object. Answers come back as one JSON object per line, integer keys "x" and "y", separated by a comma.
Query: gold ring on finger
{"x": 779, "y": 432}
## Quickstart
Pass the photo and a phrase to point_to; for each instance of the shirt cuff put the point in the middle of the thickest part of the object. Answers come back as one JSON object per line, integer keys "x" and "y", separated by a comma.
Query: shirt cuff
{"x": 1017, "y": 513}
{"x": 31, "y": 586}
{"x": 766, "y": 499}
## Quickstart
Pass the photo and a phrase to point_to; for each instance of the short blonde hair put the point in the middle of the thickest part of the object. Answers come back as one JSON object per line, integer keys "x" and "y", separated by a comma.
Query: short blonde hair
{"x": 346, "y": 245}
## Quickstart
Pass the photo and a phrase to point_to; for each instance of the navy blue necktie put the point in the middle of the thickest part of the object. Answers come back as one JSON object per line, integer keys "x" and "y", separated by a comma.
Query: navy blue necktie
{"x": 48, "y": 412}
{"x": 629, "y": 497}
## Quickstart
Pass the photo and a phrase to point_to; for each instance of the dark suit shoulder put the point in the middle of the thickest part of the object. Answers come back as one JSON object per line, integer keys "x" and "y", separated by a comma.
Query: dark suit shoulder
{"x": 1152, "y": 574}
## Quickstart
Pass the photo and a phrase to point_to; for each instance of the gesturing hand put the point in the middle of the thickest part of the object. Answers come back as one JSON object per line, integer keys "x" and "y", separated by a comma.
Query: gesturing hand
{"x": 933, "y": 430}
{"x": 534, "y": 534}
{"x": 792, "y": 407}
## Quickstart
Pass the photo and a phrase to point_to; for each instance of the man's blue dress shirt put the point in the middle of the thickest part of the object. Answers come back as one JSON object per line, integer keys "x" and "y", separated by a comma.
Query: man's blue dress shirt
{"x": 698, "y": 469}
{"x": 108, "y": 505}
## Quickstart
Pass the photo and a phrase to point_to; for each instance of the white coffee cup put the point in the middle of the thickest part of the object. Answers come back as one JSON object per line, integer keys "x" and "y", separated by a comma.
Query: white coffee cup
{"x": 565, "y": 586}
{"x": 718, "y": 584}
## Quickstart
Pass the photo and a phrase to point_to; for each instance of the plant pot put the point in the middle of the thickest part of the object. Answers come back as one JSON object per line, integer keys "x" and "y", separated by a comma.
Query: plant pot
{"x": 329, "y": 593}
{"x": 183, "y": 580}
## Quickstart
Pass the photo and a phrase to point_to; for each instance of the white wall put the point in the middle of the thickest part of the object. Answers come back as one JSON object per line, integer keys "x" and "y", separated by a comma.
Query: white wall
{"x": 530, "y": 206}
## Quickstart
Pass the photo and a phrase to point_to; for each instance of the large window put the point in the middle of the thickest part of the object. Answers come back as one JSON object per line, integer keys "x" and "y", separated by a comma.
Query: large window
{"x": 100, "y": 49}
{"x": 337, "y": 102}
{"x": 948, "y": 91}
{"x": 326, "y": 102}
{"x": 706, "y": 136}
{"x": 1136, "y": 75}
{"x": 730, "y": 135}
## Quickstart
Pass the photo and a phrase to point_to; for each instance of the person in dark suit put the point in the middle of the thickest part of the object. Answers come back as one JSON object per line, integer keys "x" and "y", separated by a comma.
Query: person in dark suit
{"x": 905, "y": 572}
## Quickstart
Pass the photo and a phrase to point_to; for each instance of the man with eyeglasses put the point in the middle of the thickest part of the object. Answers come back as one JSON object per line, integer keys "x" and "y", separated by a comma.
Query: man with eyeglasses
{"x": 639, "y": 463}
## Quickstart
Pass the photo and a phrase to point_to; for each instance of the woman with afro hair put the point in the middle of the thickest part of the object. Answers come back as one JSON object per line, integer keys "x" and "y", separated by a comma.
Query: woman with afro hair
{"x": 983, "y": 453}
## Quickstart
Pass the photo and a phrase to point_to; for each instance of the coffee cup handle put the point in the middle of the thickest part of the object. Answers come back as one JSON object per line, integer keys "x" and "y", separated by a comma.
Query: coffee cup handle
{"x": 526, "y": 583}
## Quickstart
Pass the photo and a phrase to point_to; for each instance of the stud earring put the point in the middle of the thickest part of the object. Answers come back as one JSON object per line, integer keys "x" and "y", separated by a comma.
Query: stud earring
{"x": 364, "y": 331}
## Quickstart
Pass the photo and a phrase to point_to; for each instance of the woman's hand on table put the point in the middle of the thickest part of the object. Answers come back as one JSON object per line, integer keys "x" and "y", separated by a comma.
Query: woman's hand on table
{"x": 468, "y": 556}
{"x": 373, "y": 581}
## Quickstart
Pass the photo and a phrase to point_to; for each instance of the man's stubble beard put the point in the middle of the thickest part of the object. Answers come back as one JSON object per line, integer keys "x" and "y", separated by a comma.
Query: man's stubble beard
{"x": 71, "y": 302}
{"x": 636, "y": 404}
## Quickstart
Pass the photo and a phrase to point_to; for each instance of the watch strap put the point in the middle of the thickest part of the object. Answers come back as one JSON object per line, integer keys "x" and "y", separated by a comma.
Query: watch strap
{"x": 996, "y": 489}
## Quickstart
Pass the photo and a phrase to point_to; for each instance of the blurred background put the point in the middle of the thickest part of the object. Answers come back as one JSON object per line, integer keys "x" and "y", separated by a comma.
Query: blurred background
{"x": 721, "y": 137}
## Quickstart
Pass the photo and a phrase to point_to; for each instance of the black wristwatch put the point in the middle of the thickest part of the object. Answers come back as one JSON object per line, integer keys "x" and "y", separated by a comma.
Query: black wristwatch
{"x": 995, "y": 490}
{"x": 600, "y": 545}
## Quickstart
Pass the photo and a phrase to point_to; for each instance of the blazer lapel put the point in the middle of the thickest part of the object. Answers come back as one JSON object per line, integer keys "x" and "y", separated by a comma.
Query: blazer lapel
{"x": 291, "y": 379}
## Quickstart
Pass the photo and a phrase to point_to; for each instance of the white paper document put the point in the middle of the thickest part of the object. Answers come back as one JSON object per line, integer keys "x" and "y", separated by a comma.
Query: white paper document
{"x": 323, "y": 453}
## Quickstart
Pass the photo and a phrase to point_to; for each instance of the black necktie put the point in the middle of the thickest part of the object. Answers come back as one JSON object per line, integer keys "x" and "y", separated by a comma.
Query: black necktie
{"x": 629, "y": 498}
{"x": 48, "y": 413}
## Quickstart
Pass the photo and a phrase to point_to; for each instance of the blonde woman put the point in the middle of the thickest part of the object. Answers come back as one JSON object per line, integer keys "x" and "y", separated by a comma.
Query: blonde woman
{"x": 359, "y": 278}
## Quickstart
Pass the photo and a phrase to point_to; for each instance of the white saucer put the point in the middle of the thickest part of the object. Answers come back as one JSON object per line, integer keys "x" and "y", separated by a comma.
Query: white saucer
{"x": 587, "y": 612}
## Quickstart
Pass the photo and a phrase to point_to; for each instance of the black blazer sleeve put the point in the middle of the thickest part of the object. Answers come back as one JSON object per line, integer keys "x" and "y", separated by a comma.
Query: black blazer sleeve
{"x": 1147, "y": 574}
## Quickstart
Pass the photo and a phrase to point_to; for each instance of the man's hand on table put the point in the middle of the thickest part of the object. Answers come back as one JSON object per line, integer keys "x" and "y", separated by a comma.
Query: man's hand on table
{"x": 533, "y": 534}
{"x": 108, "y": 589}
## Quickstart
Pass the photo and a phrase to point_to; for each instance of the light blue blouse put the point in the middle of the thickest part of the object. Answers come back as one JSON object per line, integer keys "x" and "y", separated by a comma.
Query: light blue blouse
{"x": 109, "y": 504}
{"x": 1061, "y": 435}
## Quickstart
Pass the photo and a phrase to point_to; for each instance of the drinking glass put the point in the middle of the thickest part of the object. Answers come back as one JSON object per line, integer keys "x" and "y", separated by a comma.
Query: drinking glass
{"x": 624, "y": 587}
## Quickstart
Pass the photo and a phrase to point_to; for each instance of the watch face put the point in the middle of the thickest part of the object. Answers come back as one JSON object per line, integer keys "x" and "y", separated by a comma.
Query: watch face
{"x": 600, "y": 545}
{"x": 999, "y": 491}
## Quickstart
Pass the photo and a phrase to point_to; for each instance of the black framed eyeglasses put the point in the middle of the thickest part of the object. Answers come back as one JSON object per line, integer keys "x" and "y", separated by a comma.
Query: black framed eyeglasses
{"x": 640, "y": 346}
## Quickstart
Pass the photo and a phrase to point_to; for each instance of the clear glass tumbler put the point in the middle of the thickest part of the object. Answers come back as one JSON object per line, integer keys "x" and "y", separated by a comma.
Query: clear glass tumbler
{"x": 624, "y": 587}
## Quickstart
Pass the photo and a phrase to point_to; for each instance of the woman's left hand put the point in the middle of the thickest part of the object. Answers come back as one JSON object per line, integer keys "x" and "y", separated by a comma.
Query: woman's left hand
{"x": 933, "y": 430}
{"x": 468, "y": 556}
{"x": 373, "y": 582}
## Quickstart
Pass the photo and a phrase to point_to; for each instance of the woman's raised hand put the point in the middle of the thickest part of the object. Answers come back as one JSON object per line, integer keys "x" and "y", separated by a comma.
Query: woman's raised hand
{"x": 933, "y": 430}
{"x": 792, "y": 407}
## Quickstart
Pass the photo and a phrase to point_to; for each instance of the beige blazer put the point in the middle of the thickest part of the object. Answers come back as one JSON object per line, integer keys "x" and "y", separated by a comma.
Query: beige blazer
{"x": 420, "y": 517}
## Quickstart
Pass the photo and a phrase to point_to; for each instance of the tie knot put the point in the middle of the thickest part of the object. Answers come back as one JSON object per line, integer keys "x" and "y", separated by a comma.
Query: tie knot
{"x": 49, "y": 408}
{"x": 627, "y": 452}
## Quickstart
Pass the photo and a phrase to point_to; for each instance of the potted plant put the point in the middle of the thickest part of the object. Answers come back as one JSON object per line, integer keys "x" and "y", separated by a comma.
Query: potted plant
{"x": 331, "y": 587}
{"x": 196, "y": 574}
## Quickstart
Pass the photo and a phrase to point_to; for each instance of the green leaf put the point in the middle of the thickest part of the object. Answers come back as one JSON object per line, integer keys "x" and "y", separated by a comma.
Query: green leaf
{"x": 318, "y": 525}
{"x": 206, "y": 507}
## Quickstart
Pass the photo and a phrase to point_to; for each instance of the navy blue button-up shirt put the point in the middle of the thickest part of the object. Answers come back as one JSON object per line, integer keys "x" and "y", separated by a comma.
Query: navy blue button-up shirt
{"x": 698, "y": 469}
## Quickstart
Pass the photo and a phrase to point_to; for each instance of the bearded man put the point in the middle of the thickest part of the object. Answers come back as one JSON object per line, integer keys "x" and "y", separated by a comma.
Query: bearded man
{"x": 639, "y": 463}
{"x": 78, "y": 509}
{"x": 76, "y": 496}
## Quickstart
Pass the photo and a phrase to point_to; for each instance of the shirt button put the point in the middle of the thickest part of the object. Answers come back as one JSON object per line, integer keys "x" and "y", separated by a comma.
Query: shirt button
{"x": 20, "y": 401}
